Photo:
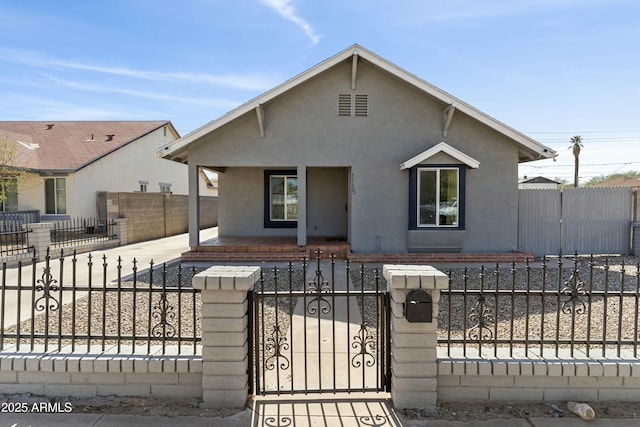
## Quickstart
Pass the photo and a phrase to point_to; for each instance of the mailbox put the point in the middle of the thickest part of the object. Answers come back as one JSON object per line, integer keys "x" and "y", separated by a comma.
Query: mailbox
{"x": 418, "y": 307}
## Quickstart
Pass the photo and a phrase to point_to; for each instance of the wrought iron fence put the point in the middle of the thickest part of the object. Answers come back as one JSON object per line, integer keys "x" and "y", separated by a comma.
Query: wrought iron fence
{"x": 319, "y": 329}
{"x": 575, "y": 306}
{"x": 14, "y": 240}
{"x": 80, "y": 230}
{"x": 153, "y": 311}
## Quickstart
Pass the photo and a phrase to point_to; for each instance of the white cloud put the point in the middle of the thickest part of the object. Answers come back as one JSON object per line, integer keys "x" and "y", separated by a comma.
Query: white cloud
{"x": 33, "y": 59}
{"x": 286, "y": 10}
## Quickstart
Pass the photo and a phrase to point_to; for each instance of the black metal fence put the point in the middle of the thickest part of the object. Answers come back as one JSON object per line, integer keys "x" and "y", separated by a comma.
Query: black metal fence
{"x": 14, "y": 239}
{"x": 81, "y": 310}
{"x": 575, "y": 306}
{"x": 316, "y": 331}
{"x": 81, "y": 230}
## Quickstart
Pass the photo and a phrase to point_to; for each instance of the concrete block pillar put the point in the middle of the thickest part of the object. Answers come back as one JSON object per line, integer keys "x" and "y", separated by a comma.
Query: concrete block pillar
{"x": 120, "y": 230}
{"x": 225, "y": 334}
{"x": 413, "y": 345}
{"x": 635, "y": 236}
{"x": 39, "y": 237}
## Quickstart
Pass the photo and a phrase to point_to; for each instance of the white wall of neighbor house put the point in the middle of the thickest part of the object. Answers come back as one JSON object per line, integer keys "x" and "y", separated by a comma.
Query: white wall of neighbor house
{"x": 302, "y": 127}
{"x": 124, "y": 170}
{"x": 121, "y": 171}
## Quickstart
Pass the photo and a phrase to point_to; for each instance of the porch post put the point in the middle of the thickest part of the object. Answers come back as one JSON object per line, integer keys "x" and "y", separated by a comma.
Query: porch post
{"x": 302, "y": 205}
{"x": 225, "y": 333}
{"x": 414, "y": 366}
{"x": 194, "y": 205}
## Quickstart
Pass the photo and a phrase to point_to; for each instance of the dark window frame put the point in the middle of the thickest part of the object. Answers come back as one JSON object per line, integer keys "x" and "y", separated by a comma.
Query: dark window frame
{"x": 268, "y": 222}
{"x": 413, "y": 197}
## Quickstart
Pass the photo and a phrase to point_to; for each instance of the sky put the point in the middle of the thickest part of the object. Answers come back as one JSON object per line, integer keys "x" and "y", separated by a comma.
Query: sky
{"x": 550, "y": 69}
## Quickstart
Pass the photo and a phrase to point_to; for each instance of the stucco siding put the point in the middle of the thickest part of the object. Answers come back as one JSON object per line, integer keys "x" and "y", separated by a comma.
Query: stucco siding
{"x": 122, "y": 171}
{"x": 302, "y": 128}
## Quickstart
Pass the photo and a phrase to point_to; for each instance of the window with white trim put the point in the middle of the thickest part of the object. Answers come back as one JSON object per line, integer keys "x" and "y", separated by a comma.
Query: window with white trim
{"x": 284, "y": 197}
{"x": 9, "y": 193}
{"x": 438, "y": 197}
{"x": 281, "y": 199}
{"x": 165, "y": 187}
{"x": 55, "y": 196}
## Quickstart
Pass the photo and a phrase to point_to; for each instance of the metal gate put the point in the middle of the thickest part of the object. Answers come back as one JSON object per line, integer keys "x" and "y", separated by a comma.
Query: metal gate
{"x": 312, "y": 334}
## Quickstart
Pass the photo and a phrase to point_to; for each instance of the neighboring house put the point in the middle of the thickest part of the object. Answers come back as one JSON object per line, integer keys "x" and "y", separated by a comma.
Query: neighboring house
{"x": 359, "y": 149}
{"x": 539, "y": 183}
{"x": 67, "y": 162}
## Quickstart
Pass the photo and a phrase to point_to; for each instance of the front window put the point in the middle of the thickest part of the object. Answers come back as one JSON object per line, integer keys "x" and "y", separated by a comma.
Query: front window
{"x": 438, "y": 196}
{"x": 8, "y": 194}
{"x": 55, "y": 193}
{"x": 280, "y": 199}
{"x": 284, "y": 198}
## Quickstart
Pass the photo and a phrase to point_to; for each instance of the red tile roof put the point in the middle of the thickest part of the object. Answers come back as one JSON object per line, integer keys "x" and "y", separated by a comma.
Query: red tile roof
{"x": 69, "y": 146}
{"x": 620, "y": 181}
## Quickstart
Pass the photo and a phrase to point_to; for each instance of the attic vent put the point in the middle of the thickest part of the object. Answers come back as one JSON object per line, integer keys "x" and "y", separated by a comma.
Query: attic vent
{"x": 353, "y": 105}
{"x": 361, "y": 106}
{"x": 344, "y": 104}
{"x": 109, "y": 137}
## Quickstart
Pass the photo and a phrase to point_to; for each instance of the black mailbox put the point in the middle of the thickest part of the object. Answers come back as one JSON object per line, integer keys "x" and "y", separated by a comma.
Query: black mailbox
{"x": 418, "y": 306}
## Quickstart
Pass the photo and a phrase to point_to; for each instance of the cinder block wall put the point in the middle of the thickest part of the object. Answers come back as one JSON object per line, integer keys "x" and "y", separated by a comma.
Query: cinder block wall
{"x": 538, "y": 380}
{"x": 155, "y": 215}
{"x": 178, "y": 378}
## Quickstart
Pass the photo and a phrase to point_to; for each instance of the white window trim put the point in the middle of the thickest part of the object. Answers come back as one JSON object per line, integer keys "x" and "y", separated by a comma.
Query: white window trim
{"x": 56, "y": 190}
{"x": 285, "y": 177}
{"x": 437, "y": 205}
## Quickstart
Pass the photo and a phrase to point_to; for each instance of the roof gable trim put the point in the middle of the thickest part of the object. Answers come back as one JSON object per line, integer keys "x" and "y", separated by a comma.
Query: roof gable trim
{"x": 442, "y": 147}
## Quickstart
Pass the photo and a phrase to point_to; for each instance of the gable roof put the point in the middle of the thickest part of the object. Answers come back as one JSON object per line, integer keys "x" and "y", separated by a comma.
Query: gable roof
{"x": 538, "y": 180}
{"x": 68, "y": 146}
{"x": 441, "y": 147}
{"x": 529, "y": 149}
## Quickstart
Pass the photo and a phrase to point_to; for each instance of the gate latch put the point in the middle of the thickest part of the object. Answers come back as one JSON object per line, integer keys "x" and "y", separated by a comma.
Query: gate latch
{"x": 418, "y": 307}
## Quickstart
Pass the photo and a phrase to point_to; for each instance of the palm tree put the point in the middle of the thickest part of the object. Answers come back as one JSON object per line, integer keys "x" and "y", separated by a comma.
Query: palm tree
{"x": 576, "y": 145}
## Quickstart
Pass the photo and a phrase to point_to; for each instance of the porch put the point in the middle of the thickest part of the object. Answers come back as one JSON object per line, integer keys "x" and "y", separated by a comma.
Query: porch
{"x": 261, "y": 248}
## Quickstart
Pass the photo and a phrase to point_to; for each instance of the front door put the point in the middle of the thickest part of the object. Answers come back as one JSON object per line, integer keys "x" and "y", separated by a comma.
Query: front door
{"x": 327, "y": 202}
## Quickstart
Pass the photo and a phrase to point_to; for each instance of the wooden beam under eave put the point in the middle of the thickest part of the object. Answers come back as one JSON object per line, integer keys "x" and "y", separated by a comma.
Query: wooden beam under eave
{"x": 260, "y": 115}
{"x": 447, "y": 115}
{"x": 354, "y": 70}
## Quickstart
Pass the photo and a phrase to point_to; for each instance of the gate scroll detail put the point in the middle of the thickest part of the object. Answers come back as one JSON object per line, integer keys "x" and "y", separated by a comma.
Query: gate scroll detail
{"x": 323, "y": 329}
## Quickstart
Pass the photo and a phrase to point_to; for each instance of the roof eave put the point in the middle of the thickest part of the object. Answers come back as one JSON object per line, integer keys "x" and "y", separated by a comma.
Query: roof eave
{"x": 177, "y": 149}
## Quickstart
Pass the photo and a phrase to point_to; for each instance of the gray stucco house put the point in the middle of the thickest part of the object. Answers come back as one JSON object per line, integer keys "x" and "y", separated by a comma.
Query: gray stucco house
{"x": 356, "y": 148}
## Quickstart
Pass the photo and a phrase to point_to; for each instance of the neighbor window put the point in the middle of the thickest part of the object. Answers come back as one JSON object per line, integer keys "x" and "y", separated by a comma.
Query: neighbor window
{"x": 165, "y": 187}
{"x": 55, "y": 195}
{"x": 9, "y": 192}
{"x": 281, "y": 199}
{"x": 438, "y": 195}
{"x": 143, "y": 186}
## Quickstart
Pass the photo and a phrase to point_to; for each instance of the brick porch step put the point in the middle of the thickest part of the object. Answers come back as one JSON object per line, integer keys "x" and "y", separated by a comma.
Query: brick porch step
{"x": 207, "y": 256}
{"x": 427, "y": 258}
